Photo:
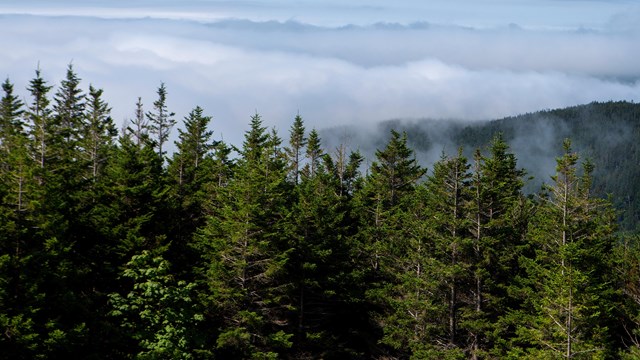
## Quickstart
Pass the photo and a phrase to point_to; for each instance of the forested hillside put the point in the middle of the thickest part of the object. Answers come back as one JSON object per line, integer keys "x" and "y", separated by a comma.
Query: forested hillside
{"x": 111, "y": 248}
{"x": 605, "y": 133}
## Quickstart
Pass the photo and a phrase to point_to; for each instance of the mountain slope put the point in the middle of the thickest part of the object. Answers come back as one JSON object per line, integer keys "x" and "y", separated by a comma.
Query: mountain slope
{"x": 606, "y": 133}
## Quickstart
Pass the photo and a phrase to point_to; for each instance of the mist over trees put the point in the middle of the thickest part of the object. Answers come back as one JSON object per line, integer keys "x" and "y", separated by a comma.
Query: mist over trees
{"x": 604, "y": 133}
{"x": 111, "y": 247}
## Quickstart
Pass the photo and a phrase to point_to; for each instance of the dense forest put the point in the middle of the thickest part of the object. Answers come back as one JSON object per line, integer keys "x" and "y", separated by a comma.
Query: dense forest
{"x": 112, "y": 248}
{"x": 605, "y": 133}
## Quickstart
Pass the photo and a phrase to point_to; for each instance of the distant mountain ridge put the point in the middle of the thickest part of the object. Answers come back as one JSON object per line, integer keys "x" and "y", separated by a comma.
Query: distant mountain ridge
{"x": 607, "y": 133}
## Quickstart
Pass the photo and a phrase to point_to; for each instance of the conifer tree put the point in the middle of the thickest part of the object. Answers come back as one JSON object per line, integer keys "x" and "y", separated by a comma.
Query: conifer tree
{"x": 160, "y": 120}
{"x": 19, "y": 284}
{"x": 193, "y": 147}
{"x": 69, "y": 115}
{"x": 448, "y": 192}
{"x": 39, "y": 115}
{"x": 245, "y": 252}
{"x": 384, "y": 202}
{"x": 569, "y": 289}
{"x": 99, "y": 132}
{"x": 392, "y": 178}
{"x": 135, "y": 200}
{"x": 313, "y": 154}
{"x": 15, "y": 166}
{"x": 189, "y": 171}
{"x": 297, "y": 141}
{"x": 11, "y": 110}
{"x": 326, "y": 296}
{"x": 139, "y": 128}
{"x": 495, "y": 229}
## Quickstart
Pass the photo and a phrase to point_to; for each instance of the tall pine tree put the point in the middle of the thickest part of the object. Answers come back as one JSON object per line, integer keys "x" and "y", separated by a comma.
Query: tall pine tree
{"x": 245, "y": 252}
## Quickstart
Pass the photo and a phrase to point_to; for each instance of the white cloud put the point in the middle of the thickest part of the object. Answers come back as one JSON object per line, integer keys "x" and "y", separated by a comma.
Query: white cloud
{"x": 332, "y": 75}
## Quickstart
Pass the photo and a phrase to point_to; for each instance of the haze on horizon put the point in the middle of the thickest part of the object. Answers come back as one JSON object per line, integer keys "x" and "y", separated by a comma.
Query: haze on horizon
{"x": 334, "y": 63}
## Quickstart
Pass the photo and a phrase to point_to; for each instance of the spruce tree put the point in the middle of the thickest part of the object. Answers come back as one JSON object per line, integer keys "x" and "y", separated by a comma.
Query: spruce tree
{"x": 383, "y": 205}
{"x": 98, "y": 136}
{"x": 313, "y": 153}
{"x": 160, "y": 120}
{"x": 39, "y": 116}
{"x": 69, "y": 116}
{"x": 447, "y": 194}
{"x": 569, "y": 289}
{"x": 139, "y": 128}
{"x": 245, "y": 252}
{"x": 297, "y": 141}
{"x": 20, "y": 283}
{"x": 189, "y": 172}
{"x": 496, "y": 230}
{"x": 11, "y": 110}
{"x": 391, "y": 180}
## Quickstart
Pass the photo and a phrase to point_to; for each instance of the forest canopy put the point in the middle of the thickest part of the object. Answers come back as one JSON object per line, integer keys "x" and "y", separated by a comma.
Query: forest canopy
{"x": 112, "y": 247}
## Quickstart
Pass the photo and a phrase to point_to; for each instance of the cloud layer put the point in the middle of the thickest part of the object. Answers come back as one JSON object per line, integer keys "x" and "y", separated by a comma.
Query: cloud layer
{"x": 332, "y": 72}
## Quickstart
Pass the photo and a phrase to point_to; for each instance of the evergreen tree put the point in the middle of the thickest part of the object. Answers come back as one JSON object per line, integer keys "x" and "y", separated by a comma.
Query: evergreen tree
{"x": 193, "y": 147}
{"x": 496, "y": 231}
{"x": 139, "y": 128}
{"x": 448, "y": 192}
{"x": 160, "y": 120}
{"x": 11, "y": 110}
{"x": 392, "y": 178}
{"x": 39, "y": 115}
{"x": 627, "y": 252}
{"x": 99, "y": 133}
{"x": 20, "y": 292}
{"x": 69, "y": 116}
{"x": 189, "y": 171}
{"x": 297, "y": 142}
{"x": 313, "y": 153}
{"x": 245, "y": 252}
{"x": 384, "y": 202}
{"x": 328, "y": 314}
{"x": 135, "y": 201}
{"x": 570, "y": 292}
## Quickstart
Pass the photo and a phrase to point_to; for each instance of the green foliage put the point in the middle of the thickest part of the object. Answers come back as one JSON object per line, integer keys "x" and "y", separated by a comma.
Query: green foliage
{"x": 245, "y": 252}
{"x": 160, "y": 119}
{"x": 265, "y": 252}
{"x": 571, "y": 295}
{"x": 159, "y": 312}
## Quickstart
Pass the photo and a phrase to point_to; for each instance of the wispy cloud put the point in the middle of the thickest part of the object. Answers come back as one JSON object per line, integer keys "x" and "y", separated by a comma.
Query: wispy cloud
{"x": 333, "y": 72}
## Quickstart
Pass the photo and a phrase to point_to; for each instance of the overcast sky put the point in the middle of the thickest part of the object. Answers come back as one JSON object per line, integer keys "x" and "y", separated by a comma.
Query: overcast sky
{"x": 336, "y": 62}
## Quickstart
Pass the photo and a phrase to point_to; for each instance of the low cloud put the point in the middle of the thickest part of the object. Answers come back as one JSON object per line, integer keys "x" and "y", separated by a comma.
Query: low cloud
{"x": 333, "y": 75}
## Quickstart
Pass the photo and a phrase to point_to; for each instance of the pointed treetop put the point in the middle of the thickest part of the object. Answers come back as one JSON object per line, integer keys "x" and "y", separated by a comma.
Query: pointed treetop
{"x": 160, "y": 119}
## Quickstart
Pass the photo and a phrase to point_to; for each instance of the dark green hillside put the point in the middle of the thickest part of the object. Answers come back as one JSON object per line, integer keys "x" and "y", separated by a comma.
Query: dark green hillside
{"x": 605, "y": 133}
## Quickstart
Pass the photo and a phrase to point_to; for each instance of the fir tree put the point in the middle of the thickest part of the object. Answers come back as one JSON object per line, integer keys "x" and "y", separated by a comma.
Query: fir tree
{"x": 11, "y": 110}
{"x": 572, "y": 235}
{"x": 99, "y": 133}
{"x": 245, "y": 252}
{"x": 189, "y": 171}
{"x": 69, "y": 115}
{"x": 384, "y": 202}
{"x": 495, "y": 228}
{"x": 39, "y": 115}
{"x": 139, "y": 128}
{"x": 448, "y": 192}
{"x": 160, "y": 120}
{"x": 297, "y": 142}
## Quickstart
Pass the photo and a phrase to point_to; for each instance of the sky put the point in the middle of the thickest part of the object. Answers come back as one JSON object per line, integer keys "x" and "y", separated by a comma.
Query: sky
{"x": 334, "y": 62}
